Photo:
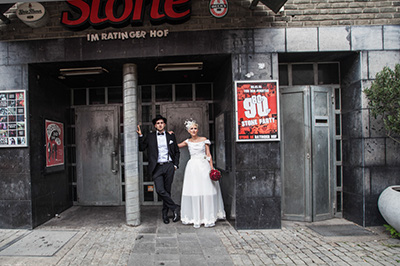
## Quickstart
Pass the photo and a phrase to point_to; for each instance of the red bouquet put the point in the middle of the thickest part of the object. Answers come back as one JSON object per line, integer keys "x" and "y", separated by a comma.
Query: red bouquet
{"x": 215, "y": 175}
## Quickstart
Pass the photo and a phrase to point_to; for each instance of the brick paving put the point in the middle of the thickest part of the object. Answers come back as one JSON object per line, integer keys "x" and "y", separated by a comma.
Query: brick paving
{"x": 102, "y": 238}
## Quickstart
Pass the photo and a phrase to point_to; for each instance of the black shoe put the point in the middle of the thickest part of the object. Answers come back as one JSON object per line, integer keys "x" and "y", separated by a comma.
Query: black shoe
{"x": 166, "y": 219}
{"x": 177, "y": 214}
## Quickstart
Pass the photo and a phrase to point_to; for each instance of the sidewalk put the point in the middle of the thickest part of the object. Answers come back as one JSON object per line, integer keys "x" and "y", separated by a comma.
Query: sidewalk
{"x": 99, "y": 236}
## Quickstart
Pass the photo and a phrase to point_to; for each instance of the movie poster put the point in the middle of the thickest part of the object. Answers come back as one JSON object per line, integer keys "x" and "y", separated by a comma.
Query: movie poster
{"x": 13, "y": 128}
{"x": 54, "y": 143}
{"x": 257, "y": 110}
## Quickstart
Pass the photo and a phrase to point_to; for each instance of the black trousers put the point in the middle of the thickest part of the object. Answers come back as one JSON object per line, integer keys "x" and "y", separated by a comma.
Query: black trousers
{"x": 163, "y": 177}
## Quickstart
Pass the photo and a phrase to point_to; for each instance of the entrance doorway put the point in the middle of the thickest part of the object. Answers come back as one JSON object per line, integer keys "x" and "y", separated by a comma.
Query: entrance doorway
{"x": 311, "y": 141}
{"x": 97, "y": 155}
{"x": 308, "y": 146}
{"x": 176, "y": 102}
{"x": 176, "y": 114}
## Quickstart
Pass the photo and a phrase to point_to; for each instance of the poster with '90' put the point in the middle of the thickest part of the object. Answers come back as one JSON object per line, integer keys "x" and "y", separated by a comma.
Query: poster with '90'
{"x": 257, "y": 110}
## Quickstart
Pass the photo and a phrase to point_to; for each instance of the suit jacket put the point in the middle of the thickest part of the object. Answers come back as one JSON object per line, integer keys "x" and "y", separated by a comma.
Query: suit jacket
{"x": 150, "y": 143}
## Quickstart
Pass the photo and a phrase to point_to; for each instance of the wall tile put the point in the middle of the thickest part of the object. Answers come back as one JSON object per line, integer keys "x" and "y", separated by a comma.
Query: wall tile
{"x": 268, "y": 212}
{"x": 269, "y": 40}
{"x": 374, "y": 152}
{"x": 377, "y": 60}
{"x": 334, "y": 38}
{"x": 391, "y": 37}
{"x": 11, "y": 78}
{"x": 301, "y": 39}
{"x": 366, "y": 38}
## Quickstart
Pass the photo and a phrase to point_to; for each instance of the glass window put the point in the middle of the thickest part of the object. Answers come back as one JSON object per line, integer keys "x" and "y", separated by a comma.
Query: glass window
{"x": 328, "y": 73}
{"x": 148, "y": 192}
{"x": 283, "y": 75}
{"x": 338, "y": 150}
{"x": 115, "y": 95}
{"x": 338, "y": 125}
{"x": 146, "y": 176}
{"x": 337, "y": 99}
{"x": 203, "y": 92}
{"x": 338, "y": 201}
{"x": 163, "y": 93}
{"x": 79, "y": 97}
{"x": 303, "y": 74}
{"x": 122, "y": 173}
{"x": 146, "y": 94}
{"x": 338, "y": 175}
{"x": 97, "y": 96}
{"x": 183, "y": 92}
{"x": 146, "y": 113}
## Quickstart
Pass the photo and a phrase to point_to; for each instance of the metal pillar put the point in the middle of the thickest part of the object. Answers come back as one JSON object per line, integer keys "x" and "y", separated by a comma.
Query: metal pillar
{"x": 131, "y": 151}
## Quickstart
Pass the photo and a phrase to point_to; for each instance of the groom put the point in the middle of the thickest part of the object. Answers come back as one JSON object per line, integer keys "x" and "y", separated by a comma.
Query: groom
{"x": 163, "y": 154}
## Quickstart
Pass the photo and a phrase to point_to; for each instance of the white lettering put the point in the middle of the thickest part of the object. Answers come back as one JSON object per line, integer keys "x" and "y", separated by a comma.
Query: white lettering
{"x": 125, "y": 35}
{"x": 248, "y": 123}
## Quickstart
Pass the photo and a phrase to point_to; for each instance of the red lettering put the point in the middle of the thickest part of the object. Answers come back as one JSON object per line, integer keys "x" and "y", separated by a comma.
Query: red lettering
{"x": 94, "y": 14}
{"x": 138, "y": 12}
{"x": 170, "y": 9}
{"x": 124, "y": 17}
{"x": 155, "y": 11}
{"x": 103, "y": 12}
{"x": 82, "y": 8}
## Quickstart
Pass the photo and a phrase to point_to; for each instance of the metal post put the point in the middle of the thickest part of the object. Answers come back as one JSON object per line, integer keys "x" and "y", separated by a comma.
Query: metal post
{"x": 132, "y": 199}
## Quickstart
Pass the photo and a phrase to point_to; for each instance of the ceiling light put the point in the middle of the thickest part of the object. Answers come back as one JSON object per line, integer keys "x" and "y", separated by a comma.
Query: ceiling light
{"x": 65, "y": 72}
{"x": 179, "y": 66}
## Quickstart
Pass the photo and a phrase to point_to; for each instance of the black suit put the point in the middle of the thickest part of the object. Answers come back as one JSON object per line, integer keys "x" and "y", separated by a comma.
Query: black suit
{"x": 163, "y": 175}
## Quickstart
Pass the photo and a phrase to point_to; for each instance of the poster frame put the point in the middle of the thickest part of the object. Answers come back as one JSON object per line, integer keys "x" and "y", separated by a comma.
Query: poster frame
{"x": 277, "y": 136}
{"x": 60, "y": 166}
{"x": 20, "y": 141}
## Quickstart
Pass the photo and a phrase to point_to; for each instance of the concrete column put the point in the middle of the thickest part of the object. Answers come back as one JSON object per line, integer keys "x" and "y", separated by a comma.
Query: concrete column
{"x": 131, "y": 151}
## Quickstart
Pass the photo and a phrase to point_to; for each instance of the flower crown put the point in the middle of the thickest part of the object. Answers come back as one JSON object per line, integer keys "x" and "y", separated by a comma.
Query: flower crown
{"x": 190, "y": 123}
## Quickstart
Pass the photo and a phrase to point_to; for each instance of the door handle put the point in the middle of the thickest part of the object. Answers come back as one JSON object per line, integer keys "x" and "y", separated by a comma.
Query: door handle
{"x": 114, "y": 162}
{"x": 308, "y": 156}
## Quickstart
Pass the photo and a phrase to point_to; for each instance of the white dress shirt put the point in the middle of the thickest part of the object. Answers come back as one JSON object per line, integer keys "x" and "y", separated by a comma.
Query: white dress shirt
{"x": 163, "y": 156}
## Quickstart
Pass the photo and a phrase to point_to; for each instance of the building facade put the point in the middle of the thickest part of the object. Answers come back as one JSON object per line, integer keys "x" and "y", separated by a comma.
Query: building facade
{"x": 94, "y": 82}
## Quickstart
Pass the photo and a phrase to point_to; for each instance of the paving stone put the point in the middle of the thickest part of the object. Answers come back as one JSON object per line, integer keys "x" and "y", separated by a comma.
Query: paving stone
{"x": 154, "y": 243}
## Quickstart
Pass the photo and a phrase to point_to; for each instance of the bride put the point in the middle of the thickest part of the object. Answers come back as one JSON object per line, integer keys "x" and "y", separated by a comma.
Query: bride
{"x": 201, "y": 197}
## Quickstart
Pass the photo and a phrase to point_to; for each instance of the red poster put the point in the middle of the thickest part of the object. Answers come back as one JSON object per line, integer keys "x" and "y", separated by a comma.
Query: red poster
{"x": 54, "y": 143}
{"x": 257, "y": 107}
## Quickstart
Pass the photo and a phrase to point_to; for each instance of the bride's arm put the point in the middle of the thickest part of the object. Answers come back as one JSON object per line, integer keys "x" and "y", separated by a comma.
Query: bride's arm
{"x": 209, "y": 158}
{"x": 182, "y": 144}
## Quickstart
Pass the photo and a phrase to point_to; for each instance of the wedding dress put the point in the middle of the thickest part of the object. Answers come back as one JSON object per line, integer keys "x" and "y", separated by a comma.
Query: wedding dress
{"x": 201, "y": 197}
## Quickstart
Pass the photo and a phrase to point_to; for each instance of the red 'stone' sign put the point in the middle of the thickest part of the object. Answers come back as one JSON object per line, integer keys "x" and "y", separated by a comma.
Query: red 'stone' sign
{"x": 100, "y": 13}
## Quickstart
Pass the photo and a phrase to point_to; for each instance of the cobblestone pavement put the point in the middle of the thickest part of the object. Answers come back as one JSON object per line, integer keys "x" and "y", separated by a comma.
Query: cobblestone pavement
{"x": 102, "y": 238}
{"x": 296, "y": 244}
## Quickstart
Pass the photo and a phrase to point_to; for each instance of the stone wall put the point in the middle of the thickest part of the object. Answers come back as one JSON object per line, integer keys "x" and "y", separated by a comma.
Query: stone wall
{"x": 296, "y": 13}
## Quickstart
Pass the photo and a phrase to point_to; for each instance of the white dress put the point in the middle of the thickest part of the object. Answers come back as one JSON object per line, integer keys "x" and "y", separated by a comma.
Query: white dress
{"x": 201, "y": 197}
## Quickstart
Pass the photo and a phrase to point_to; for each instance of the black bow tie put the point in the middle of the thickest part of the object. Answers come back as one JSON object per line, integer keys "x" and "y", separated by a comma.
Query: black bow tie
{"x": 160, "y": 133}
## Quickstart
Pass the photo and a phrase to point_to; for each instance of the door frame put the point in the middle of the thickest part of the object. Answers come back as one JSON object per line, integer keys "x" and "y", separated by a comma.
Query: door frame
{"x": 310, "y": 214}
{"x": 115, "y": 157}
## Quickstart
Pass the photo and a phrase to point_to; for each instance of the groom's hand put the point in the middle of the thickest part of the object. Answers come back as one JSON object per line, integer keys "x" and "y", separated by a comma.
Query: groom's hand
{"x": 139, "y": 131}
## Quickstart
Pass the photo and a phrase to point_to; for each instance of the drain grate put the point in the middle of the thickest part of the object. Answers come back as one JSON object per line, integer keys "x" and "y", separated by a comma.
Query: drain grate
{"x": 38, "y": 243}
{"x": 340, "y": 230}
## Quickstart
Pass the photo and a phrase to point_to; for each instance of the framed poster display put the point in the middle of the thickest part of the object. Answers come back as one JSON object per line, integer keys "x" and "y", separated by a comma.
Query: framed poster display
{"x": 257, "y": 110}
{"x": 13, "y": 125}
{"x": 54, "y": 132}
